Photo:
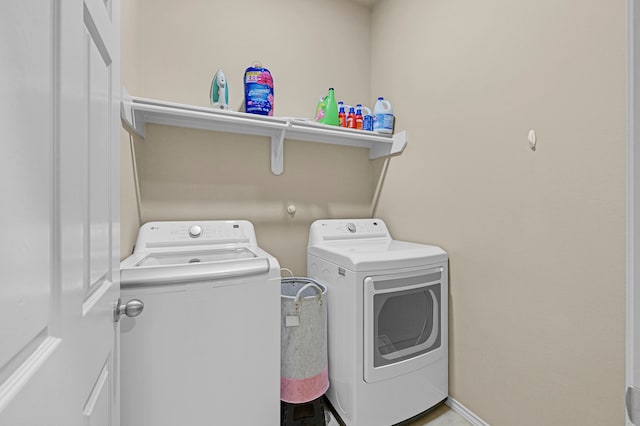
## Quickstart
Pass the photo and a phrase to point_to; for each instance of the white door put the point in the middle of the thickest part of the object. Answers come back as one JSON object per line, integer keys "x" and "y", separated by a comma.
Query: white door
{"x": 59, "y": 180}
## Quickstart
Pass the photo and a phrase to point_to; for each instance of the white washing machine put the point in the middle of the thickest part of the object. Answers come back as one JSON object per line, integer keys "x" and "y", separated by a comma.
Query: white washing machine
{"x": 387, "y": 320}
{"x": 206, "y": 348}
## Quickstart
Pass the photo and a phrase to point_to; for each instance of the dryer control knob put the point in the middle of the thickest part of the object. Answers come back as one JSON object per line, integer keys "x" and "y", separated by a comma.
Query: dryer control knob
{"x": 351, "y": 227}
{"x": 195, "y": 231}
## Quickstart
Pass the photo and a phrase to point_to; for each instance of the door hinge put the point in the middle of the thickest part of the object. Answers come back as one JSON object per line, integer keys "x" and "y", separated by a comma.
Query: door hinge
{"x": 632, "y": 400}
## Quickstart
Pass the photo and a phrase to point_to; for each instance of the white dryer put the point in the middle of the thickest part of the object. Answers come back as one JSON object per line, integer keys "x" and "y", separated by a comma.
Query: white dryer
{"x": 206, "y": 349}
{"x": 387, "y": 320}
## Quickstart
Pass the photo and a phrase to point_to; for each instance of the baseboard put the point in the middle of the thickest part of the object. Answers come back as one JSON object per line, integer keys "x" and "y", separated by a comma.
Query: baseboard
{"x": 468, "y": 415}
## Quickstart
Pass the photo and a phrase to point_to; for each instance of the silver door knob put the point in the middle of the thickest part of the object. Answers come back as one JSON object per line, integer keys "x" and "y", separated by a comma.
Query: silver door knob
{"x": 132, "y": 308}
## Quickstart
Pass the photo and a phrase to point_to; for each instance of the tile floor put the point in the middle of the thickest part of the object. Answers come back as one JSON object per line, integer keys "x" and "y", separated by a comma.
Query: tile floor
{"x": 441, "y": 416}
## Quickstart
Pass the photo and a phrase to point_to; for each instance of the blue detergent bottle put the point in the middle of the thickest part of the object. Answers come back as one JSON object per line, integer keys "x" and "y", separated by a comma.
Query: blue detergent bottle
{"x": 258, "y": 90}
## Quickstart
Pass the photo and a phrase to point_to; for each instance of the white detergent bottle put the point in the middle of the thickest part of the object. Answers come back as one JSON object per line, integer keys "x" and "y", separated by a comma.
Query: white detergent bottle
{"x": 383, "y": 117}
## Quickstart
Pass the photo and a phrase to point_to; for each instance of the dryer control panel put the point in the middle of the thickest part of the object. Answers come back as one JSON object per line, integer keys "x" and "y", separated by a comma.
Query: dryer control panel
{"x": 347, "y": 229}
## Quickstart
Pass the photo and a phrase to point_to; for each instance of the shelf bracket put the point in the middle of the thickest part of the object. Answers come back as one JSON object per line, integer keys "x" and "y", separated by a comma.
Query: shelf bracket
{"x": 397, "y": 145}
{"x": 277, "y": 153}
{"x": 130, "y": 119}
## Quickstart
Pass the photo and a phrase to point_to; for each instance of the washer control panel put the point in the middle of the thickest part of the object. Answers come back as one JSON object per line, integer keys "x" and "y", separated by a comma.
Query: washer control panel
{"x": 164, "y": 235}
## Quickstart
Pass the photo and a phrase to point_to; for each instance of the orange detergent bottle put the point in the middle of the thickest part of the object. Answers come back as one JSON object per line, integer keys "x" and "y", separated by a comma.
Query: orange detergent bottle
{"x": 351, "y": 119}
{"x": 342, "y": 117}
{"x": 359, "y": 116}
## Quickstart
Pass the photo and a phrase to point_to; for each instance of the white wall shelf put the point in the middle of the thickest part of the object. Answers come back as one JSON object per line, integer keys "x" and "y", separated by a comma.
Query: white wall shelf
{"x": 137, "y": 112}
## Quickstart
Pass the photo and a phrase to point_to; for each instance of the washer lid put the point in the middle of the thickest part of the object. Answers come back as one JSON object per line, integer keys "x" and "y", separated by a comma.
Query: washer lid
{"x": 378, "y": 255}
{"x": 195, "y": 256}
{"x": 175, "y": 267}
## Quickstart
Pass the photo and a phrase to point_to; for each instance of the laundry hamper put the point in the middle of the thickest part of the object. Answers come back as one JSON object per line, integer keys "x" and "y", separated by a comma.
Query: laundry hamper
{"x": 303, "y": 340}
{"x": 303, "y": 347}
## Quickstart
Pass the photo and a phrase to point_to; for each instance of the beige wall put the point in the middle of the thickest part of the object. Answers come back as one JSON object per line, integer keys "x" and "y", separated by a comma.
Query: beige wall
{"x": 130, "y": 75}
{"x": 188, "y": 174}
{"x": 536, "y": 239}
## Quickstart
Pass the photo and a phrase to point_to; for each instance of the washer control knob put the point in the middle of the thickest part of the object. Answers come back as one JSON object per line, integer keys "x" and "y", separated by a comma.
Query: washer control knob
{"x": 351, "y": 227}
{"x": 195, "y": 231}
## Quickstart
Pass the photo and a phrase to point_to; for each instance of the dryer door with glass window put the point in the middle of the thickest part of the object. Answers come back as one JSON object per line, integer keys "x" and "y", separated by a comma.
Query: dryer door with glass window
{"x": 403, "y": 320}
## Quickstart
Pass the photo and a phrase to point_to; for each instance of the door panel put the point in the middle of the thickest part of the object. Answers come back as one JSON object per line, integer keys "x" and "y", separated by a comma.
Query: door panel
{"x": 97, "y": 409}
{"x": 59, "y": 99}
{"x": 100, "y": 126}
{"x": 25, "y": 176}
{"x": 98, "y": 100}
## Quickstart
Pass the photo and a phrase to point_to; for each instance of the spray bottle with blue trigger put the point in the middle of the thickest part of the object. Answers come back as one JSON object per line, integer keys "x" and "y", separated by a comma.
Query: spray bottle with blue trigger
{"x": 219, "y": 92}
